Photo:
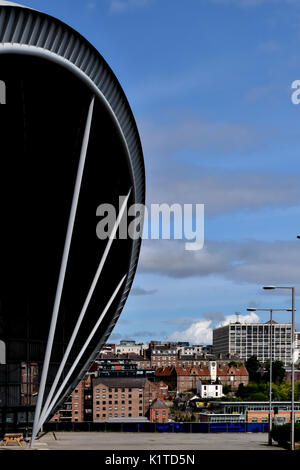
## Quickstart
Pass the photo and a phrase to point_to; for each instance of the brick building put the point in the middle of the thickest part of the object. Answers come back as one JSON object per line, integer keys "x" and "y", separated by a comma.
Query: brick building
{"x": 77, "y": 407}
{"x": 185, "y": 379}
{"x": 124, "y": 365}
{"x": 140, "y": 361}
{"x": 233, "y": 376}
{"x": 122, "y": 397}
{"x": 29, "y": 383}
{"x": 163, "y": 356}
{"x": 162, "y": 390}
{"x": 158, "y": 412}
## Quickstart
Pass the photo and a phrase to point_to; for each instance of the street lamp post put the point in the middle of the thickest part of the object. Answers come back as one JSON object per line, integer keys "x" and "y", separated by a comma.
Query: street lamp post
{"x": 293, "y": 355}
{"x": 271, "y": 310}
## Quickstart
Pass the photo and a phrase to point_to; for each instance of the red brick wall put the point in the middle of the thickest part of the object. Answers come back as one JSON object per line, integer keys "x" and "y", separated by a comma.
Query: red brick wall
{"x": 159, "y": 415}
{"x": 122, "y": 402}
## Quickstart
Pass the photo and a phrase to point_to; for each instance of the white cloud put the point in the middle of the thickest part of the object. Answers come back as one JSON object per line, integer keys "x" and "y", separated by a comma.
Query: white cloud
{"x": 248, "y": 318}
{"x": 120, "y": 6}
{"x": 222, "y": 191}
{"x": 198, "y": 134}
{"x": 198, "y": 332}
{"x": 249, "y": 261}
{"x": 201, "y": 331}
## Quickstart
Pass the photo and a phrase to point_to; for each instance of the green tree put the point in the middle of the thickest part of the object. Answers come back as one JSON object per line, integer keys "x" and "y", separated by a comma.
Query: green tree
{"x": 253, "y": 391}
{"x": 278, "y": 372}
{"x": 252, "y": 366}
{"x": 297, "y": 391}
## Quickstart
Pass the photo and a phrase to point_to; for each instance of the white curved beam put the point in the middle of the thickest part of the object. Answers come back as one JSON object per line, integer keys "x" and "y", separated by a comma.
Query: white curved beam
{"x": 90, "y": 337}
{"x": 63, "y": 268}
{"x": 85, "y": 306}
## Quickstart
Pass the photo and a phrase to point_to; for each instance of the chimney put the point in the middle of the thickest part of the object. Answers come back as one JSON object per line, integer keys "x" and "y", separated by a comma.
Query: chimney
{"x": 220, "y": 355}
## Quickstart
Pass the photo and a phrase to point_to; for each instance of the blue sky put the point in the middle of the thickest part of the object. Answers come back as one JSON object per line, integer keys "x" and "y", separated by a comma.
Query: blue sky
{"x": 209, "y": 82}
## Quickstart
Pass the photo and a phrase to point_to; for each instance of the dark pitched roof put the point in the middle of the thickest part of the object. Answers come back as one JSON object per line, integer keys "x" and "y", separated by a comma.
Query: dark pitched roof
{"x": 158, "y": 404}
{"x": 121, "y": 382}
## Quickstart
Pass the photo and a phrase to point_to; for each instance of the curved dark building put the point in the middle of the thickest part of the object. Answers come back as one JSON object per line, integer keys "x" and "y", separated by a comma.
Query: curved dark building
{"x": 69, "y": 143}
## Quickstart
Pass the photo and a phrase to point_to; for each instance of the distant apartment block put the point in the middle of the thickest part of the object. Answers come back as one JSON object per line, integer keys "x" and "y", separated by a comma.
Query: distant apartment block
{"x": 130, "y": 365}
{"x": 246, "y": 340}
{"x": 130, "y": 346}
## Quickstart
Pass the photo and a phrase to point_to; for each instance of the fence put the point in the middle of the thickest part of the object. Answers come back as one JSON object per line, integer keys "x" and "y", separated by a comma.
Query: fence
{"x": 157, "y": 427}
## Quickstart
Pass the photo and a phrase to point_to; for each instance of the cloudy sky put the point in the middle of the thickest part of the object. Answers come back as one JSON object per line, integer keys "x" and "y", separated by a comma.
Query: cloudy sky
{"x": 209, "y": 82}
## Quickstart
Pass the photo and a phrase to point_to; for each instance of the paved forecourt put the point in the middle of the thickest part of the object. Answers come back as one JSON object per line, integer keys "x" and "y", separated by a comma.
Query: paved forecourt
{"x": 152, "y": 441}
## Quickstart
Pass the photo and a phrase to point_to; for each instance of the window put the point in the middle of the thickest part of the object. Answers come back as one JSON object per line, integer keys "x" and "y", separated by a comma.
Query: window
{"x": 254, "y": 420}
{"x": 2, "y": 92}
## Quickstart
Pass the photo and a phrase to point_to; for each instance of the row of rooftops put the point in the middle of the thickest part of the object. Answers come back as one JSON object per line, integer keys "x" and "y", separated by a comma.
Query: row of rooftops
{"x": 147, "y": 357}
{"x": 201, "y": 371}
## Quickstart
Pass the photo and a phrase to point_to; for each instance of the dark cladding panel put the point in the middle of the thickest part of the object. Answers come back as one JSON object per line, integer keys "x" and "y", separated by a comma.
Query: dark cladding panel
{"x": 48, "y": 90}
